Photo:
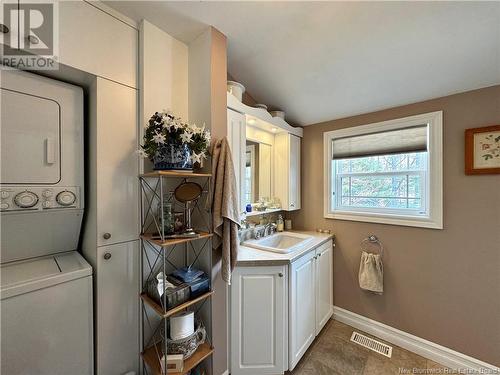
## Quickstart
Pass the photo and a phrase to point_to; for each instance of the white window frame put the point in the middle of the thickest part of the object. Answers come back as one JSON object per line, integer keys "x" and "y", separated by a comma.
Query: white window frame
{"x": 434, "y": 199}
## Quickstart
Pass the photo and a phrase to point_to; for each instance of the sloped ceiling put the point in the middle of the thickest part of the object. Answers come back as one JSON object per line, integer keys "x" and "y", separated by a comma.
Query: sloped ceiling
{"x": 325, "y": 60}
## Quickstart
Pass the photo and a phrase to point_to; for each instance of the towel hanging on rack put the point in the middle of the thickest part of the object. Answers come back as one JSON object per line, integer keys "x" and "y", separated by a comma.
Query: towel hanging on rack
{"x": 371, "y": 268}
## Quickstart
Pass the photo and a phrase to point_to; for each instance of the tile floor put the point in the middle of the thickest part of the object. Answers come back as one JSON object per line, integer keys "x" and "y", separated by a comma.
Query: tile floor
{"x": 332, "y": 353}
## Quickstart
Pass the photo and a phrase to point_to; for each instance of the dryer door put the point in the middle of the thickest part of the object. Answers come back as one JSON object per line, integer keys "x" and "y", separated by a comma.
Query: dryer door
{"x": 30, "y": 139}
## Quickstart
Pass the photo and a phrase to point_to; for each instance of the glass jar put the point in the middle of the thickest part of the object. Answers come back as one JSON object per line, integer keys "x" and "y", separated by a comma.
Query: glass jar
{"x": 168, "y": 219}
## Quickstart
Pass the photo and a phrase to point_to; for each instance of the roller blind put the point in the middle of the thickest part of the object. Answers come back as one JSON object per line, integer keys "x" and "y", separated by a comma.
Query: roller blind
{"x": 411, "y": 139}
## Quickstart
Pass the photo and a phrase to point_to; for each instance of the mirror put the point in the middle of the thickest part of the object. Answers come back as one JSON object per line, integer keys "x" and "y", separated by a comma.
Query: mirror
{"x": 186, "y": 193}
{"x": 258, "y": 159}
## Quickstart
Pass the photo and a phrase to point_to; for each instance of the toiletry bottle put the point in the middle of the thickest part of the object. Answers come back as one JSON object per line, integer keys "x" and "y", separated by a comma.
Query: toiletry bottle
{"x": 279, "y": 224}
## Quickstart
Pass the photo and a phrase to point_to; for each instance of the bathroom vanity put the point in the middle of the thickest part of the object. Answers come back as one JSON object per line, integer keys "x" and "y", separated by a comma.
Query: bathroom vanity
{"x": 280, "y": 301}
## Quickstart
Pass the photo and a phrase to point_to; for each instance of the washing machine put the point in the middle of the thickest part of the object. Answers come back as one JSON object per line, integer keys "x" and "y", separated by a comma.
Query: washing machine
{"x": 46, "y": 285}
{"x": 47, "y": 316}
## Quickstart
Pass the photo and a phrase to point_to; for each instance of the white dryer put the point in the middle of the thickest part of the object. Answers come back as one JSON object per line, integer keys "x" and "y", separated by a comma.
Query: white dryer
{"x": 46, "y": 286}
{"x": 42, "y": 170}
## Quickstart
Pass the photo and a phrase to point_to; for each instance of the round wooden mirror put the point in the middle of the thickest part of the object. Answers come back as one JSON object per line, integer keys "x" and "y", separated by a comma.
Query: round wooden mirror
{"x": 187, "y": 192}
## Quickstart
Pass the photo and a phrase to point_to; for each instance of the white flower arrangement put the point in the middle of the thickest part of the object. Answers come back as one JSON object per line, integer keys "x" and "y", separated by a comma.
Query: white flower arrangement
{"x": 164, "y": 128}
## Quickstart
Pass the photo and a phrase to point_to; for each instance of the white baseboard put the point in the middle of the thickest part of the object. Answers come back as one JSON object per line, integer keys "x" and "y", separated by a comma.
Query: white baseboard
{"x": 440, "y": 354}
{"x": 225, "y": 372}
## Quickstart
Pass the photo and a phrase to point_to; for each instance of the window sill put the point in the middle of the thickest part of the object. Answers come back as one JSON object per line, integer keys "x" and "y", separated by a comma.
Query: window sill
{"x": 409, "y": 221}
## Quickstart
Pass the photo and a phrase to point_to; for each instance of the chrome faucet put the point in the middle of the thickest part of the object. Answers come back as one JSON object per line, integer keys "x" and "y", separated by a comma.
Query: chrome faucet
{"x": 269, "y": 229}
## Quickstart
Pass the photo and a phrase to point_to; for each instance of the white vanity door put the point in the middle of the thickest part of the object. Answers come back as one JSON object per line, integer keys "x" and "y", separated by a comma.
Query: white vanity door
{"x": 258, "y": 320}
{"x": 294, "y": 176}
{"x": 287, "y": 170}
{"x": 302, "y": 307}
{"x": 324, "y": 285}
{"x": 236, "y": 135}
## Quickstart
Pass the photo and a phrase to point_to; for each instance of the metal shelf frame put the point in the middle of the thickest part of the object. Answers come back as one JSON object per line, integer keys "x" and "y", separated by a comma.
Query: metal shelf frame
{"x": 161, "y": 253}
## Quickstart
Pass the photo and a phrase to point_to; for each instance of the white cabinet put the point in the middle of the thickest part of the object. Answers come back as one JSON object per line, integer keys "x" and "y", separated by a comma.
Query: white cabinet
{"x": 236, "y": 135}
{"x": 311, "y": 299}
{"x": 258, "y": 320}
{"x": 287, "y": 170}
{"x": 117, "y": 164}
{"x": 110, "y": 240}
{"x": 117, "y": 312}
{"x": 96, "y": 42}
{"x": 324, "y": 285}
{"x": 302, "y": 306}
{"x": 275, "y": 319}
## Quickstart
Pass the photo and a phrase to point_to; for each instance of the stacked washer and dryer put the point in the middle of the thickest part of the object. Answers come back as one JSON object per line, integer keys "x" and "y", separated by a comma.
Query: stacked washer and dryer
{"x": 46, "y": 285}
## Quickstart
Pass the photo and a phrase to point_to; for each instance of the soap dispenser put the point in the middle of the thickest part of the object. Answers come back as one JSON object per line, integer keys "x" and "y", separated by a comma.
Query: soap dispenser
{"x": 280, "y": 224}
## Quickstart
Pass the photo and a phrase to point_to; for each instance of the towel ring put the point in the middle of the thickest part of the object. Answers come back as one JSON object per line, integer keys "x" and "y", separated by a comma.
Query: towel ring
{"x": 372, "y": 239}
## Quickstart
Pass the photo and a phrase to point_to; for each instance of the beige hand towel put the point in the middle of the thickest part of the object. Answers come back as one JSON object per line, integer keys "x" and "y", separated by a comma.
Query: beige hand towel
{"x": 371, "y": 273}
{"x": 225, "y": 215}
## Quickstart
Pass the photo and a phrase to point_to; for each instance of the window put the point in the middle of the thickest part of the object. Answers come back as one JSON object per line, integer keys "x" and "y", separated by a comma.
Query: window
{"x": 388, "y": 172}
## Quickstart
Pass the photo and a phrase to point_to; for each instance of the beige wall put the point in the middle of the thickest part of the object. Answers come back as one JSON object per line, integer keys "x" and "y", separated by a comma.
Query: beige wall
{"x": 441, "y": 285}
{"x": 207, "y": 103}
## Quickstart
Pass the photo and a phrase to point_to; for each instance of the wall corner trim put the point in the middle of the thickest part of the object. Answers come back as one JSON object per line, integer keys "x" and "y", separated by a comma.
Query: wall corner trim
{"x": 420, "y": 346}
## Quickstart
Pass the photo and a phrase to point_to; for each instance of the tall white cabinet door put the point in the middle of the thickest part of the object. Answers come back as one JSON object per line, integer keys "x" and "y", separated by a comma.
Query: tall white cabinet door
{"x": 117, "y": 318}
{"x": 96, "y": 42}
{"x": 265, "y": 171}
{"x": 287, "y": 170}
{"x": 294, "y": 182}
{"x": 258, "y": 308}
{"x": 117, "y": 163}
{"x": 302, "y": 307}
{"x": 324, "y": 285}
{"x": 236, "y": 135}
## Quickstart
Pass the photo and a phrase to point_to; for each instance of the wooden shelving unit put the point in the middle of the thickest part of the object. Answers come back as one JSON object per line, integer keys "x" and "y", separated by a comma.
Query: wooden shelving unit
{"x": 165, "y": 314}
{"x": 175, "y": 241}
{"x": 157, "y": 256}
{"x": 150, "y": 357}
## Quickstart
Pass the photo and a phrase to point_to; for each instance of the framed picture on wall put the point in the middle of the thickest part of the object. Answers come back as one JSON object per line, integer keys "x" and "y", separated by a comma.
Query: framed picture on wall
{"x": 482, "y": 150}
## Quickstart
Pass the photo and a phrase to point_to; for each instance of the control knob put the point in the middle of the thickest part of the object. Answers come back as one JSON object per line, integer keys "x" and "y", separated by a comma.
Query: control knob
{"x": 4, "y": 206}
{"x": 4, "y": 194}
{"x": 26, "y": 199}
{"x": 66, "y": 198}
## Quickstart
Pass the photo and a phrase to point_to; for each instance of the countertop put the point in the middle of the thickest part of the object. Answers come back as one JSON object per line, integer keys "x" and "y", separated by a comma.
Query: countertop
{"x": 248, "y": 256}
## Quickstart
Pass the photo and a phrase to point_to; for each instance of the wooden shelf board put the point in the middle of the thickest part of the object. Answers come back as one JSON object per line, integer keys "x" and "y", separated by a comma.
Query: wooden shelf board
{"x": 165, "y": 314}
{"x": 152, "y": 360}
{"x": 175, "y": 174}
{"x": 175, "y": 241}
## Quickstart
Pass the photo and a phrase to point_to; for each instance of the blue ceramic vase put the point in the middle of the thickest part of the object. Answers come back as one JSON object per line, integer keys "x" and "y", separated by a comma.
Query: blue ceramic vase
{"x": 173, "y": 156}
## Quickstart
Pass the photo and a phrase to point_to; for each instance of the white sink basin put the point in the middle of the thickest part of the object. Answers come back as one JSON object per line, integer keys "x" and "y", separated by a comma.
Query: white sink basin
{"x": 283, "y": 242}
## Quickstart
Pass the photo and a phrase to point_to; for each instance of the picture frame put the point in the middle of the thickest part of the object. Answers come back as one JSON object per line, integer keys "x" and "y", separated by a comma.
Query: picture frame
{"x": 482, "y": 150}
